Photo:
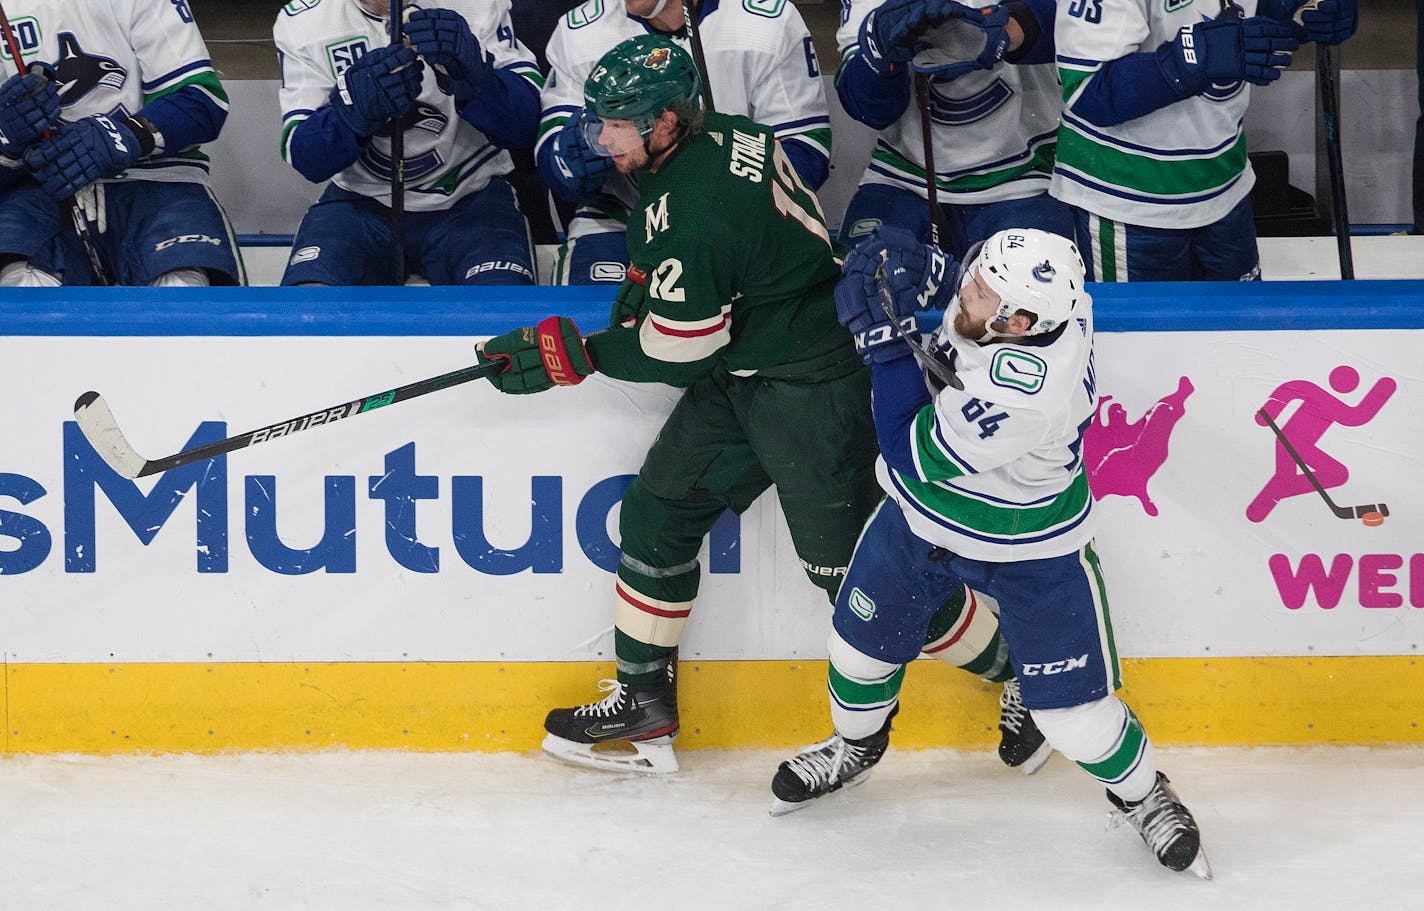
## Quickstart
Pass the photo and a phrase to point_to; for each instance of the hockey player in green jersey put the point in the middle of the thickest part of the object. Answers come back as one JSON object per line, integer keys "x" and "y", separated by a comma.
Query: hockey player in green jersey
{"x": 730, "y": 295}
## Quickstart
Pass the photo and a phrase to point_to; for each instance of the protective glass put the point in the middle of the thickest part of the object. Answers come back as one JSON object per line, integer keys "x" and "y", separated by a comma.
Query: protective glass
{"x": 611, "y": 138}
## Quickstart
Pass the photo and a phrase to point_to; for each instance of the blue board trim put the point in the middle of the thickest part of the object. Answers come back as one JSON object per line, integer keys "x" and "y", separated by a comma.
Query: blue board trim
{"x": 163, "y": 312}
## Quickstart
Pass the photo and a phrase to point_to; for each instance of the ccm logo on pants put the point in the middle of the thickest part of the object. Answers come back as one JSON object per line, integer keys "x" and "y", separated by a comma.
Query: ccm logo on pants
{"x": 1055, "y": 667}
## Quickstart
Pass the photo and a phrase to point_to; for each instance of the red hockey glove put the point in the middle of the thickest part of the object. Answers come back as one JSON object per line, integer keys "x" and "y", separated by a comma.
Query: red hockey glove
{"x": 538, "y": 357}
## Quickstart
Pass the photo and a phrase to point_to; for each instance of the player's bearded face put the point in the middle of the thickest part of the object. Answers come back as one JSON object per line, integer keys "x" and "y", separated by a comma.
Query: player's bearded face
{"x": 977, "y": 305}
{"x": 624, "y": 143}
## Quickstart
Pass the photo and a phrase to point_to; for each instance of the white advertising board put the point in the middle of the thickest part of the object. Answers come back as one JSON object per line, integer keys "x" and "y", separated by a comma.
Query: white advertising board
{"x": 467, "y": 525}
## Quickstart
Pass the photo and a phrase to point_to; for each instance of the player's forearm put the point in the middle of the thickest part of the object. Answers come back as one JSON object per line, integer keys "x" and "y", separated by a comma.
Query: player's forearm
{"x": 1033, "y": 22}
{"x": 618, "y": 352}
{"x": 1122, "y": 90}
{"x": 897, "y": 394}
{"x": 506, "y": 110}
{"x": 875, "y": 100}
{"x": 322, "y": 146}
{"x": 186, "y": 118}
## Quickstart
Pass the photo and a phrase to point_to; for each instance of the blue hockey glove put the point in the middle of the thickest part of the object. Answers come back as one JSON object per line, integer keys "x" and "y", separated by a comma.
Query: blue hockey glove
{"x": 1226, "y": 51}
{"x": 580, "y": 170}
{"x": 29, "y": 105}
{"x": 1330, "y": 21}
{"x": 381, "y": 85}
{"x": 989, "y": 22}
{"x": 79, "y": 153}
{"x": 444, "y": 39}
{"x": 889, "y": 34}
{"x": 889, "y": 277}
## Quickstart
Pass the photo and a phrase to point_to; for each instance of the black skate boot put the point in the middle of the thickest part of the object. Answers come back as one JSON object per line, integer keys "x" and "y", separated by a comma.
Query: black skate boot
{"x": 1021, "y": 743}
{"x": 629, "y": 730}
{"x": 825, "y": 767}
{"x": 1167, "y": 827}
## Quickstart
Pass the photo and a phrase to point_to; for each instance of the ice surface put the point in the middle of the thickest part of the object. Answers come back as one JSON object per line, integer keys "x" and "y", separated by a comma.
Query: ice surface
{"x": 1290, "y": 829}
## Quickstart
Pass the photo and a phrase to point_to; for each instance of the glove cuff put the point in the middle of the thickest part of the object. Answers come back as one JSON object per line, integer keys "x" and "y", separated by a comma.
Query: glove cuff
{"x": 564, "y": 368}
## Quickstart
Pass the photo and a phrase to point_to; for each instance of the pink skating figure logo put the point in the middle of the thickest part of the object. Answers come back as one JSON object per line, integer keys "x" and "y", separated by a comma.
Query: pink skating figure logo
{"x": 1122, "y": 455}
{"x": 1302, "y": 467}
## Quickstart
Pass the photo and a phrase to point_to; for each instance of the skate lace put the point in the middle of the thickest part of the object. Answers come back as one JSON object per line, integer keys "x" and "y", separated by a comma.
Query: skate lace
{"x": 1012, "y": 711}
{"x": 608, "y": 705}
{"x": 822, "y": 764}
{"x": 1158, "y": 819}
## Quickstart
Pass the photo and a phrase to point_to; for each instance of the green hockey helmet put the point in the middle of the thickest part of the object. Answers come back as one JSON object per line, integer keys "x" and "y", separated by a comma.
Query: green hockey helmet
{"x": 641, "y": 78}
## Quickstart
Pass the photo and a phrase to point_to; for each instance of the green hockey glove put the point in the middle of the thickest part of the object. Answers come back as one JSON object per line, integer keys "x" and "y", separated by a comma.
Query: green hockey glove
{"x": 538, "y": 357}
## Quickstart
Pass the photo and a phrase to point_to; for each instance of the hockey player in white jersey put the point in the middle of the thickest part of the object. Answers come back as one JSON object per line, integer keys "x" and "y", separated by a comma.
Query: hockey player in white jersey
{"x": 117, "y": 99}
{"x": 461, "y": 88}
{"x": 991, "y": 98}
{"x": 1152, "y": 151}
{"x": 761, "y": 63}
{"x": 981, "y": 432}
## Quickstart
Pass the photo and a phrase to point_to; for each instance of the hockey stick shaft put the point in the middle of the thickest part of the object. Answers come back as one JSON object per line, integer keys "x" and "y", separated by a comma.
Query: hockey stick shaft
{"x": 1330, "y": 111}
{"x": 398, "y": 161}
{"x": 81, "y": 223}
{"x": 699, "y": 57}
{"x": 1342, "y": 512}
{"x": 943, "y": 372}
{"x": 939, "y": 230}
{"x": 97, "y": 422}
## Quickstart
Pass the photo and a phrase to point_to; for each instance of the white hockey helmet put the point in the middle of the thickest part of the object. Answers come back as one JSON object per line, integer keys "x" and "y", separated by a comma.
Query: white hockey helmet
{"x": 1031, "y": 270}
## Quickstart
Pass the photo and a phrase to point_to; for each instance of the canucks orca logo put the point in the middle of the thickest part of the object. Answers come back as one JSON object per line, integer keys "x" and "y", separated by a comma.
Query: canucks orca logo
{"x": 1044, "y": 272}
{"x": 77, "y": 73}
{"x": 424, "y": 117}
{"x": 960, "y": 111}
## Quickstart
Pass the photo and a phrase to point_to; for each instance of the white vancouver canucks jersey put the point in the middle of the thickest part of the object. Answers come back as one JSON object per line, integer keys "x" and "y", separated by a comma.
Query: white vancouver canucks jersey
{"x": 1181, "y": 166}
{"x": 114, "y": 57}
{"x": 761, "y": 61}
{"x": 999, "y": 463}
{"x": 446, "y": 158}
{"x": 994, "y": 130}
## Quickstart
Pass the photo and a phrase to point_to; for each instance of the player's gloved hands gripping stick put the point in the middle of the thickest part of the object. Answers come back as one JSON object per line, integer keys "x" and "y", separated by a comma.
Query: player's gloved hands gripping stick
{"x": 29, "y": 106}
{"x": 444, "y": 39}
{"x": 380, "y": 86}
{"x": 80, "y": 153}
{"x": 538, "y": 357}
{"x": 985, "y": 27}
{"x": 890, "y": 271}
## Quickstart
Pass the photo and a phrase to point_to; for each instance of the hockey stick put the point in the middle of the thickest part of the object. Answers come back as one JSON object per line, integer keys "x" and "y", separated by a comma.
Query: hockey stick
{"x": 1330, "y": 112}
{"x": 1341, "y": 512}
{"x": 398, "y": 159}
{"x": 689, "y": 17}
{"x": 943, "y": 372}
{"x": 97, "y": 422}
{"x": 939, "y": 230}
{"x": 81, "y": 223}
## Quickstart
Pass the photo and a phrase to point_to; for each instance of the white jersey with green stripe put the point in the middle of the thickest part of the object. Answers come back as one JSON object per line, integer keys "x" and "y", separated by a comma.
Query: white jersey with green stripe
{"x": 993, "y": 130}
{"x": 999, "y": 471}
{"x": 761, "y": 64}
{"x": 1180, "y": 166}
{"x": 116, "y": 57}
{"x": 446, "y": 158}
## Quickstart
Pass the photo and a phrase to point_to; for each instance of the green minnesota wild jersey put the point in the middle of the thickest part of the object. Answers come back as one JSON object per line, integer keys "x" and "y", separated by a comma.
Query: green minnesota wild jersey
{"x": 731, "y": 267}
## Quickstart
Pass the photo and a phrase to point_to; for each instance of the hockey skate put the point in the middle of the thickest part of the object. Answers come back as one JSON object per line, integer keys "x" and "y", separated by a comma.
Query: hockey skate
{"x": 629, "y": 730}
{"x": 1021, "y": 744}
{"x": 825, "y": 767}
{"x": 1166, "y": 826}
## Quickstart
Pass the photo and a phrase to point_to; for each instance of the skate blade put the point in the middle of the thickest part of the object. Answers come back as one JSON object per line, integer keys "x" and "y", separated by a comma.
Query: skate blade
{"x": 646, "y": 757}
{"x": 781, "y": 807}
{"x": 1037, "y": 760}
{"x": 1200, "y": 866}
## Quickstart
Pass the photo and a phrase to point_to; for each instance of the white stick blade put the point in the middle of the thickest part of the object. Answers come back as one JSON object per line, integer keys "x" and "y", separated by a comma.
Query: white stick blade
{"x": 97, "y": 422}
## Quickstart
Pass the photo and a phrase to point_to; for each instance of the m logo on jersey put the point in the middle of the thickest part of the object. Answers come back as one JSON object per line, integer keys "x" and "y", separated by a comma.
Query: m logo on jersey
{"x": 341, "y": 54}
{"x": 77, "y": 74}
{"x": 657, "y": 217}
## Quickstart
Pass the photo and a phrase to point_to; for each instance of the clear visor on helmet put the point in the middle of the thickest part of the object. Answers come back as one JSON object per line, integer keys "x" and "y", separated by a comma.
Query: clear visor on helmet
{"x": 612, "y": 138}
